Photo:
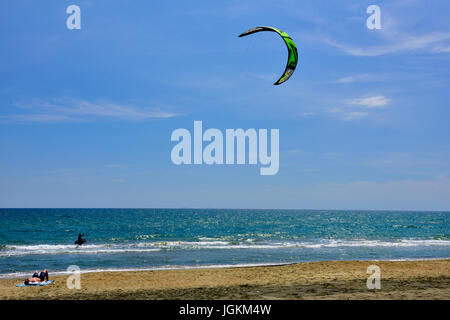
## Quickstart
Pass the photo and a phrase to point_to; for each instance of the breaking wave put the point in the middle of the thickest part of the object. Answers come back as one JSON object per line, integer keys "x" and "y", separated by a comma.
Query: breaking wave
{"x": 205, "y": 243}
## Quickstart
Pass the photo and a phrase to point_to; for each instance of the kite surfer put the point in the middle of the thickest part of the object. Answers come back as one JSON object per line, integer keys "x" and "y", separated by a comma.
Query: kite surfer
{"x": 80, "y": 240}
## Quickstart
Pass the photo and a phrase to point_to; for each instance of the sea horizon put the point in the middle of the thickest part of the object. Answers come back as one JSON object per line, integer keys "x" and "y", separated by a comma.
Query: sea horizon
{"x": 219, "y": 208}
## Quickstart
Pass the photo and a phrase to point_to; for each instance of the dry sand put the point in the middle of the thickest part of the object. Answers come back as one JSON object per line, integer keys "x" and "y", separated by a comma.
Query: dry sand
{"x": 315, "y": 280}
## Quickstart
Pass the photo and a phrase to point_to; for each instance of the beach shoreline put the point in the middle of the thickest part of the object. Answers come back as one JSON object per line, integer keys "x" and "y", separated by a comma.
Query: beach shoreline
{"x": 22, "y": 275}
{"x": 410, "y": 279}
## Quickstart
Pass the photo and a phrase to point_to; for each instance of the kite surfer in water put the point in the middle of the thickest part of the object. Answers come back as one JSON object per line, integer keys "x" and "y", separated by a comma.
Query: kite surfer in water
{"x": 80, "y": 240}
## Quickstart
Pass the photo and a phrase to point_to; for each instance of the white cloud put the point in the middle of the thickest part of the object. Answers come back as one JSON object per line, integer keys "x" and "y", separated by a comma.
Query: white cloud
{"x": 354, "y": 115}
{"x": 40, "y": 118}
{"x": 370, "y": 102}
{"x": 61, "y": 110}
{"x": 349, "y": 79}
{"x": 360, "y": 108}
{"x": 359, "y": 78}
{"x": 401, "y": 43}
{"x": 346, "y": 115}
{"x": 441, "y": 49}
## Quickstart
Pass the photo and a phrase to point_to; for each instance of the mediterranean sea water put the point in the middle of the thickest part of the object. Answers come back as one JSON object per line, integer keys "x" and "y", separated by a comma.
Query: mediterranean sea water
{"x": 135, "y": 239}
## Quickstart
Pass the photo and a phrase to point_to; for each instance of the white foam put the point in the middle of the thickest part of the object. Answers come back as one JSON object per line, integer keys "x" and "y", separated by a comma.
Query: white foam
{"x": 150, "y": 246}
{"x": 69, "y": 249}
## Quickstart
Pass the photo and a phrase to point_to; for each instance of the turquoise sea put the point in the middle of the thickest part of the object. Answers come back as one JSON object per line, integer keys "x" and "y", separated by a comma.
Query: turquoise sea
{"x": 134, "y": 239}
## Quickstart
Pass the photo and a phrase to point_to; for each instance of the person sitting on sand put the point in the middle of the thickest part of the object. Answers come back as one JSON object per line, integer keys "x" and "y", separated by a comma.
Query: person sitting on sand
{"x": 43, "y": 275}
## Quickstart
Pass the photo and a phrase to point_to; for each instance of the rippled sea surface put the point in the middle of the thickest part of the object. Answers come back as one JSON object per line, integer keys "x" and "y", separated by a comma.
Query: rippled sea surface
{"x": 178, "y": 238}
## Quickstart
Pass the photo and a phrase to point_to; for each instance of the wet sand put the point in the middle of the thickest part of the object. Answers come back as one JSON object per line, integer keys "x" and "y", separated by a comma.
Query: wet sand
{"x": 314, "y": 280}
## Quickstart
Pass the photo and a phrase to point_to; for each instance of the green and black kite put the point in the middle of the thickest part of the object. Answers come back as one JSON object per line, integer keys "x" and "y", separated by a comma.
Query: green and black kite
{"x": 292, "y": 51}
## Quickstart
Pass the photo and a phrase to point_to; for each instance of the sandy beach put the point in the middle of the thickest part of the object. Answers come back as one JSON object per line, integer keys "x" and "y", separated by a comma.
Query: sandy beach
{"x": 428, "y": 279}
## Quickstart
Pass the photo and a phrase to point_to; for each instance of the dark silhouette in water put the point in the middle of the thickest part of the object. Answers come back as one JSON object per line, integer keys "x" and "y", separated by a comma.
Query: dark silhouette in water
{"x": 80, "y": 240}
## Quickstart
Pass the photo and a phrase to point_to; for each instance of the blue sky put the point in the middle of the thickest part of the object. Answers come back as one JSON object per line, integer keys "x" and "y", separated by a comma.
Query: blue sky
{"x": 86, "y": 115}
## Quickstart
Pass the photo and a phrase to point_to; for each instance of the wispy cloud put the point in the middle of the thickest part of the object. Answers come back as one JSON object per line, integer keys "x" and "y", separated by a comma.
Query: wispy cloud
{"x": 400, "y": 43}
{"x": 366, "y": 77}
{"x": 40, "y": 118}
{"x": 66, "y": 110}
{"x": 360, "y": 108}
{"x": 354, "y": 115}
{"x": 370, "y": 102}
{"x": 441, "y": 49}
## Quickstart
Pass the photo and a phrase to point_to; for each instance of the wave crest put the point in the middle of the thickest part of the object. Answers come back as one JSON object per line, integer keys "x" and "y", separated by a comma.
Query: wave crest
{"x": 153, "y": 246}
